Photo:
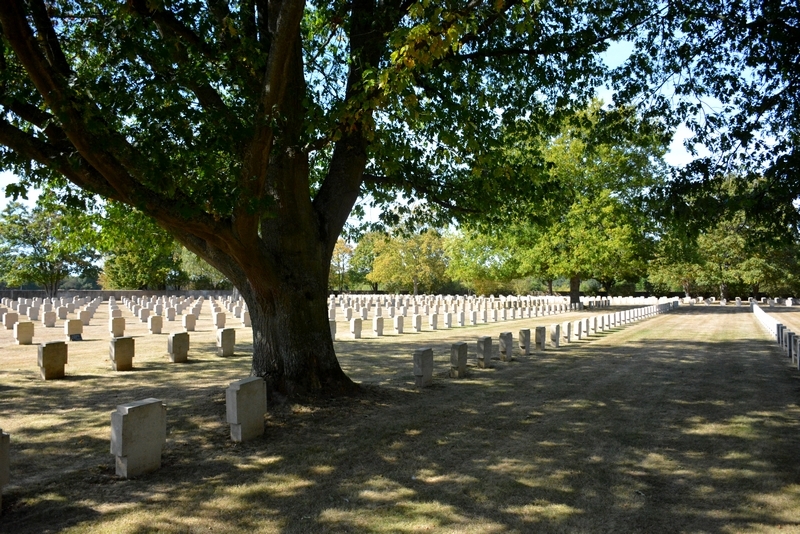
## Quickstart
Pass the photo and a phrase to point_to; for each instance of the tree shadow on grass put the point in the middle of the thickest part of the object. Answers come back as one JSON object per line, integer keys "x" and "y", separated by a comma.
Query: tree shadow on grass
{"x": 652, "y": 434}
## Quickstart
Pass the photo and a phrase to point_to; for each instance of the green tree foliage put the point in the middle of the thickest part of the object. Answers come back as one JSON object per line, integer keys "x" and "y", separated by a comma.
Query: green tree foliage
{"x": 593, "y": 222}
{"x": 416, "y": 263}
{"x": 201, "y": 275}
{"x": 340, "y": 265}
{"x": 138, "y": 253}
{"x": 482, "y": 262}
{"x": 729, "y": 259}
{"x": 363, "y": 258}
{"x": 730, "y": 71}
{"x": 46, "y": 244}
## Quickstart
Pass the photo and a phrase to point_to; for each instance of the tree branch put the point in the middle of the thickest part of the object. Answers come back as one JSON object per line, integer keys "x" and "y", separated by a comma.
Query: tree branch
{"x": 49, "y": 38}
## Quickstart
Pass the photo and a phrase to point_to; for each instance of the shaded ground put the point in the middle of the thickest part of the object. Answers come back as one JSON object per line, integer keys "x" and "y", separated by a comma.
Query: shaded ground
{"x": 687, "y": 422}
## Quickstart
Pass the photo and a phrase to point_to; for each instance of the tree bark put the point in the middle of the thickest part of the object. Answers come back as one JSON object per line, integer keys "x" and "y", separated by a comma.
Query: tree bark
{"x": 575, "y": 289}
{"x": 292, "y": 346}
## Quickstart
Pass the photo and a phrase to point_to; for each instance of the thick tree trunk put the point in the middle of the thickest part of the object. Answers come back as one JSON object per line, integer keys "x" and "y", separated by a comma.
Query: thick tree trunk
{"x": 575, "y": 289}
{"x": 550, "y": 287}
{"x": 292, "y": 345}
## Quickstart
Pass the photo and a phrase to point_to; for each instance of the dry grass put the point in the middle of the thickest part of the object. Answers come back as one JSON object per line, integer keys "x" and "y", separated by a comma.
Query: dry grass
{"x": 688, "y": 422}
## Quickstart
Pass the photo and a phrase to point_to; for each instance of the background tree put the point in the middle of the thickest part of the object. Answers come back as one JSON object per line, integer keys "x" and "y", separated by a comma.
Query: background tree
{"x": 138, "y": 254}
{"x": 416, "y": 263}
{"x": 732, "y": 71}
{"x": 46, "y": 244}
{"x": 363, "y": 258}
{"x": 732, "y": 258}
{"x": 482, "y": 262}
{"x": 340, "y": 264}
{"x": 594, "y": 222}
{"x": 200, "y": 274}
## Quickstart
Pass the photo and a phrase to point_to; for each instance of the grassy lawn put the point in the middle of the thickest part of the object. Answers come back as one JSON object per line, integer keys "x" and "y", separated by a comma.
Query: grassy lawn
{"x": 687, "y": 422}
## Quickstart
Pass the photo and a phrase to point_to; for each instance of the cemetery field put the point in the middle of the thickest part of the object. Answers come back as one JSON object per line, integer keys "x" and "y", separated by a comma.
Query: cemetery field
{"x": 685, "y": 422}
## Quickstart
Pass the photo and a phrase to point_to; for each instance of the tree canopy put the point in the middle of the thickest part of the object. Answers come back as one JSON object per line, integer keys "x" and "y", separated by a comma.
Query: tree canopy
{"x": 410, "y": 263}
{"x": 45, "y": 244}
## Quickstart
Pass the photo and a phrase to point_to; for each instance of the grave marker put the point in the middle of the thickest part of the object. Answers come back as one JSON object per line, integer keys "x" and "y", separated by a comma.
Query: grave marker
{"x": 121, "y": 351}
{"x": 506, "y": 346}
{"x": 226, "y": 341}
{"x": 23, "y": 333}
{"x": 423, "y": 367}
{"x": 245, "y": 406}
{"x": 138, "y": 434}
{"x": 52, "y": 359}
{"x": 525, "y": 341}
{"x": 484, "y": 351}
{"x": 5, "y": 463}
{"x": 178, "y": 347}
{"x": 458, "y": 360}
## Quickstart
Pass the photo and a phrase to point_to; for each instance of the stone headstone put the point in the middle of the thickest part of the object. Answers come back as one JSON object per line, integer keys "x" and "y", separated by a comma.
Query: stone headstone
{"x": 116, "y": 326}
{"x": 121, "y": 352}
{"x": 484, "y": 351}
{"x": 566, "y": 330}
{"x": 525, "y": 341}
{"x": 10, "y": 319}
{"x": 52, "y": 359}
{"x": 219, "y": 320}
{"x": 189, "y": 321}
{"x": 245, "y": 406}
{"x": 416, "y": 322}
{"x": 73, "y": 328}
{"x": 23, "y": 333}
{"x": 458, "y": 360}
{"x": 355, "y": 327}
{"x": 5, "y": 463}
{"x": 540, "y": 337}
{"x": 398, "y": 324}
{"x": 555, "y": 335}
{"x": 226, "y": 341}
{"x": 377, "y": 325}
{"x": 138, "y": 435}
{"x": 506, "y": 346}
{"x": 155, "y": 323}
{"x": 423, "y": 367}
{"x": 178, "y": 347}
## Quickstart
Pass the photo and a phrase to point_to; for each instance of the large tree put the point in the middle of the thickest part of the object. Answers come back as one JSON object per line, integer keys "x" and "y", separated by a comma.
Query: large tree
{"x": 138, "y": 254}
{"x": 410, "y": 263}
{"x": 249, "y": 128}
{"x": 46, "y": 244}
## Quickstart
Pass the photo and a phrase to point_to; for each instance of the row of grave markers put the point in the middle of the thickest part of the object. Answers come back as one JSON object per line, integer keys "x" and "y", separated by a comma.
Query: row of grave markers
{"x": 398, "y": 316}
{"x": 152, "y": 312}
{"x": 788, "y": 340}
{"x": 423, "y": 358}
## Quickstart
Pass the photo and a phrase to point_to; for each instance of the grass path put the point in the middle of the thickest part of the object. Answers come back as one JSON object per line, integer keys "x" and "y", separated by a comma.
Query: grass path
{"x": 688, "y": 422}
